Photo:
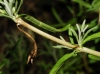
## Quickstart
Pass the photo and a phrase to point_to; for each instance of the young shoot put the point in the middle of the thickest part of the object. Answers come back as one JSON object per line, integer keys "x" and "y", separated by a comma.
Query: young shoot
{"x": 82, "y": 32}
{"x": 10, "y": 8}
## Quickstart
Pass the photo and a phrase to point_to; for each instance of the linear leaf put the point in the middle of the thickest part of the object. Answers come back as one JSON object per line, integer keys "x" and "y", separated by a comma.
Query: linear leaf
{"x": 74, "y": 33}
{"x": 70, "y": 36}
{"x": 16, "y": 3}
{"x": 93, "y": 2}
{"x": 19, "y": 5}
{"x": 3, "y": 63}
{"x": 83, "y": 25}
{"x": 60, "y": 62}
{"x": 7, "y": 8}
{"x": 3, "y": 15}
{"x": 94, "y": 57}
{"x": 57, "y": 16}
{"x": 86, "y": 34}
{"x": 83, "y": 3}
{"x": 44, "y": 25}
{"x": 11, "y": 2}
{"x": 62, "y": 38}
{"x": 91, "y": 37}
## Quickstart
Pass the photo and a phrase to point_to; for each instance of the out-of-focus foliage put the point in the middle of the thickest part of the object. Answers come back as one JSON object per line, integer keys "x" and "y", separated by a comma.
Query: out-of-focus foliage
{"x": 15, "y": 48}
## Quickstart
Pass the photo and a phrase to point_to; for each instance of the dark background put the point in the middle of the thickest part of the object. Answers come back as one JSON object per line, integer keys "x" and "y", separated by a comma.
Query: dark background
{"x": 17, "y": 52}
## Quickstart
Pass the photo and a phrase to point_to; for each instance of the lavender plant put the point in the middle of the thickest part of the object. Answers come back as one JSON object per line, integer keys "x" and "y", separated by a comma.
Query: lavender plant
{"x": 10, "y": 9}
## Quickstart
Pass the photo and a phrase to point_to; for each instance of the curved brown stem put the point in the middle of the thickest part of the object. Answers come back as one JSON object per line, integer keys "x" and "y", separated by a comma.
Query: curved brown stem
{"x": 34, "y": 51}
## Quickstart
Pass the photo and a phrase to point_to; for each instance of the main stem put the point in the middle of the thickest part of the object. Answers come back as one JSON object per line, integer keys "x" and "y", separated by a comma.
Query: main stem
{"x": 48, "y": 36}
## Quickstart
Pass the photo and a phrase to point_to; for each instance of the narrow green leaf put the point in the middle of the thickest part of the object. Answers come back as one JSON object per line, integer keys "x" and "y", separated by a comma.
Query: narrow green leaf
{"x": 3, "y": 63}
{"x": 86, "y": 34}
{"x": 85, "y": 28}
{"x": 11, "y": 2}
{"x": 79, "y": 34}
{"x": 74, "y": 33}
{"x": 19, "y": 5}
{"x": 2, "y": 3}
{"x": 83, "y": 3}
{"x": 94, "y": 6}
{"x": 7, "y": 8}
{"x": 83, "y": 25}
{"x": 2, "y": 11}
{"x": 60, "y": 62}
{"x": 93, "y": 23}
{"x": 70, "y": 36}
{"x": 91, "y": 37}
{"x": 4, "y": 15}
{"x": 59, "y": 46}
{"x": 64, "y": 28}
{"x": 94, "y": 2}
{"x": 94, "y": 57}
{"x": 44, "y": 25}
{"x": 62, "y": 38}
{"x": 17, "y": 43}
{"x": 97, "y": 4}
{"x": 70, "y": 9}
{"x": 57, "y": 16}
{"x": 16, "y": 3}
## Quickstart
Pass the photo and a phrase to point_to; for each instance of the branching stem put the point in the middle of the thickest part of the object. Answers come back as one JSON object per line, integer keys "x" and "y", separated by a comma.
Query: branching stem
{"x": 55, "y": 39}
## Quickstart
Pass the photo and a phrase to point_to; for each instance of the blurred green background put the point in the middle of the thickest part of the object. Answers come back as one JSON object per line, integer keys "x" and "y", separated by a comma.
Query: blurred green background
{"x": 15, "y": 46}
